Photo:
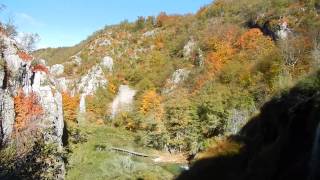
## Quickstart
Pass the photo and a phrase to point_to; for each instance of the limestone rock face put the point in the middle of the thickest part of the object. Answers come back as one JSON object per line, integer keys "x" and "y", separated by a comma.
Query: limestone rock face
{"x": 76, "y": 59}
{"x": 57, "y": 69}
{"x": 7, "y": 116}
{"x": 177, "y": 78}
{"x": 62, "y": 84}
{"x": 189, "y": 48}
{"x": 283, "y": 31}
{"x": 192, "y": 51}
{"x": 103, "y": 42}
{"x": 17, "y": 74}
{"x": 107, "y": 62}
{"x": 1, "y": 75}
{"x": 90, "y": 82}
{"x": 150, "y": 33}
{"x": 51, "y": 103}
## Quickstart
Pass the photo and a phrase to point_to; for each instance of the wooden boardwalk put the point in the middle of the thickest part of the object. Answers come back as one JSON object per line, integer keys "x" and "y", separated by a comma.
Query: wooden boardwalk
{"x": 130, "y": 152}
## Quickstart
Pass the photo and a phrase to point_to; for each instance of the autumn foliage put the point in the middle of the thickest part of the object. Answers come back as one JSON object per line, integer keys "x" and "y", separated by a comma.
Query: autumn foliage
{"x": 40, "y": 68}
{"x": 163, "y": 19}
{"x": 253, "y": 39}
{"x": 151, "y": 101}
{"x": 25, "y": 56}
{"x": 70, "y": 106}
{"x": 27, "y": 109}
{"x": 222, "y": 53}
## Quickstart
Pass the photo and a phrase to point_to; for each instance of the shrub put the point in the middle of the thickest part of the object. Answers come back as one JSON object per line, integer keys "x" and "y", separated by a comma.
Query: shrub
{"x": 38, "y": 162}
{"x": 98, "y": 104}
{"x": 40, "y": 68}
{"x": 70, "y": 107}
{"x": 150, "y": 101}
{"x": 27, "y": 109}
{"x": 253, "y": 39}
{"x": 25, "y": 56}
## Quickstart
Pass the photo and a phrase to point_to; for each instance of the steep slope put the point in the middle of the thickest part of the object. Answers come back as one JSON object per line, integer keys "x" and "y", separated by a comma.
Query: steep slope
{"x": 280, "y": 143}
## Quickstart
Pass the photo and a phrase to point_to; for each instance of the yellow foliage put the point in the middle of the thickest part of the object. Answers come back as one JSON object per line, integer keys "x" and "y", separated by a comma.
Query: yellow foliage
{"x": 151, "y": 101}
{"x": 112, "y": 88}
{"x": 159, "y": 42}
{"x": 70, "y": 106}
{"x": 220, "y": 147}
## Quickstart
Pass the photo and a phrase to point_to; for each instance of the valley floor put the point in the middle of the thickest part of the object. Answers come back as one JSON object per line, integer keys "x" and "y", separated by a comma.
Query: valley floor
{"x": 95, "y": 159}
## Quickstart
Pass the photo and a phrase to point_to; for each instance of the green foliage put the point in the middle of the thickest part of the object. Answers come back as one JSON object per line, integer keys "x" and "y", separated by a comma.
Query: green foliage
{"x": 94, "y": 159}
{"x": 98, "y": 104}
{"x": 243, "y": 64}
{"x": 37, "y": 162}
{"x": 57, "y": 55}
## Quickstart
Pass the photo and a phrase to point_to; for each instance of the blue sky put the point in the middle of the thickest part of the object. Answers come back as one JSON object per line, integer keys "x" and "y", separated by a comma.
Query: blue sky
{"x": 67, "y": 22}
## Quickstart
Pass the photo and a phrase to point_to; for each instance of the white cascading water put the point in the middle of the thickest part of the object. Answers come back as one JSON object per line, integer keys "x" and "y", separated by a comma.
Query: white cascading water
{"x": 82, "y": 106}
{"x": 123, "y": 100}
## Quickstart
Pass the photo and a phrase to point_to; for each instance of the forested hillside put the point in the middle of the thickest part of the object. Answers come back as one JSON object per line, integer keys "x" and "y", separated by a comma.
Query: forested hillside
{"x": 185, "y": 84}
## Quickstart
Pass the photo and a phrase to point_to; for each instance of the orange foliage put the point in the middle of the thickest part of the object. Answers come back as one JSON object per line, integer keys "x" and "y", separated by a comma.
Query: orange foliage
{"x": 112, "y": 88}
{"x": 201, "y": 80}
{"x": 70, "y": 105}
{"x": 40, "y": 68}
{"x": 24, "y": 56}
{"x": 159, "y": 42}
{"x": 151, "y": 101}
{"x": 161, "y": 18}
{"x": 223, "y": 52}
{"x": 253, "y": 39}
{"x": 27, "y": 109}
{"x": 164, "y": 19}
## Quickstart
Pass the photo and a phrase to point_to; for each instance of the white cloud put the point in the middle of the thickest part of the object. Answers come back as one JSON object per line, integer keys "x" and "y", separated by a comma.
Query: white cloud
{"x": 26, "y": 18}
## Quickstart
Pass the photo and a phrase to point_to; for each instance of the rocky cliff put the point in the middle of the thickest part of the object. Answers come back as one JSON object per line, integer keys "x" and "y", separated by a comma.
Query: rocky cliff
{"x": 30, "y": 104}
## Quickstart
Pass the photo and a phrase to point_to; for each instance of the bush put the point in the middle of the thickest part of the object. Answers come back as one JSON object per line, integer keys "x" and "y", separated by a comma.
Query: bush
{"x": 70, "y": 107}
{"x": 38, "y": 162}
{"x": 27, "y": 109}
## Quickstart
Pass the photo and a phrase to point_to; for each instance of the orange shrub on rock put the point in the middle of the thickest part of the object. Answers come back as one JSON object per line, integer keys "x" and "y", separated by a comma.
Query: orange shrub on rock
{"x": 27, "y": 109}
{"x": 25, "y": 56}
{"x": 40, "y": 68}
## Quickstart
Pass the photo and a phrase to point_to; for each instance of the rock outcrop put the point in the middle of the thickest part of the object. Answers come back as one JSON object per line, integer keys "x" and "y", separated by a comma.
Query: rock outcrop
{"x": 179, "y": 76}
{"x": 89, "y": 83}
{"x": 57, "y": 69}
{"x": 19, "y": 75}
{"x": 107, "y": 62}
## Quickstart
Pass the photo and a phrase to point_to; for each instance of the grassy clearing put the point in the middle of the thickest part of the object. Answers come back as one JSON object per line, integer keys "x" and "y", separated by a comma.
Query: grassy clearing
{"x": 93, "y": 159}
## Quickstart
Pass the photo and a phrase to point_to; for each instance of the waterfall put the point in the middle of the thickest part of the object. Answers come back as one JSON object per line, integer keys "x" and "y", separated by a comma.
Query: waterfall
{"x": 82, "y": 106}
{"x": 123, "y": 100}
